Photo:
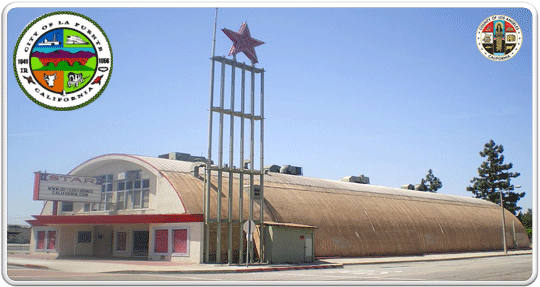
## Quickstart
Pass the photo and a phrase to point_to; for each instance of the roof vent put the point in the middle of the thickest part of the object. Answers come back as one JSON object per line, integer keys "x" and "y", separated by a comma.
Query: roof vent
{"x": 194, "y": 169}
{"x": 407, "y": 186}
{"x": 356, "y": 179}
{"x": 289, "y": 169}
{"x": 182, "y": 156}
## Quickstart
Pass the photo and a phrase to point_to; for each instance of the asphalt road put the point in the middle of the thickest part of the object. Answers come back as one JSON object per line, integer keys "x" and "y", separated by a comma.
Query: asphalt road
{"x": 507, "y": 268}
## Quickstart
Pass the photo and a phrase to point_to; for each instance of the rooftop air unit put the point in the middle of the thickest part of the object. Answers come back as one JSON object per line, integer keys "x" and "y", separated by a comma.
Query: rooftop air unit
{"x": 272, "y": 168}
{"x": 356, "y": 179}
{"x": 182, "y": 156}
{"x": 289, "y": 169}
{"x": 407, "y": 186}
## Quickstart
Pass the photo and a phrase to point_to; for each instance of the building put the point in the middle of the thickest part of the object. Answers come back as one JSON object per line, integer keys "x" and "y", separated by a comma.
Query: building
{"x": 18, "y": 234}
{"x": 153, "y": 208}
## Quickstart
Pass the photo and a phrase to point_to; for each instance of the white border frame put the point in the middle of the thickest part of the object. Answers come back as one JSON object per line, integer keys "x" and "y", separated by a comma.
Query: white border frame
{"x": 280, "y": 4}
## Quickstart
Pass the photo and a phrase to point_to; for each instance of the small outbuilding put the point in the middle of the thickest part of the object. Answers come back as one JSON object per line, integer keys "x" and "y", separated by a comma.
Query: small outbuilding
{"x": 288, "y": 242}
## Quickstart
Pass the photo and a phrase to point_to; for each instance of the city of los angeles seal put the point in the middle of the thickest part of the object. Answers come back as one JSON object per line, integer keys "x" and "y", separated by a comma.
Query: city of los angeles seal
{"x": 63, "y": 61}
{"x": 499, "y": 38}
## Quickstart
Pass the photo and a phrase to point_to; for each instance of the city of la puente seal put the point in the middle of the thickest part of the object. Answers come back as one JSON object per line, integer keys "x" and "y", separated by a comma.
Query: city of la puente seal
{"x": 499, "y": 38}
{"x": 63, "y": 61}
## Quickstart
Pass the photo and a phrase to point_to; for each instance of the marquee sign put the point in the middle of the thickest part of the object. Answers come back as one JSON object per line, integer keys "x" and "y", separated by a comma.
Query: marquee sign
{"x": 61, "y": 187}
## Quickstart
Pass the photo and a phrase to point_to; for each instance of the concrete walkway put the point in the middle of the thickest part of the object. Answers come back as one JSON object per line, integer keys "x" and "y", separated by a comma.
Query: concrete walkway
{"x": 95, "y": 265}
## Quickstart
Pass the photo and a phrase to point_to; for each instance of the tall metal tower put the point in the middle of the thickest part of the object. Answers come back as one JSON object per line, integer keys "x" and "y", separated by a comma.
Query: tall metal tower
{"x": 239, "y": 167}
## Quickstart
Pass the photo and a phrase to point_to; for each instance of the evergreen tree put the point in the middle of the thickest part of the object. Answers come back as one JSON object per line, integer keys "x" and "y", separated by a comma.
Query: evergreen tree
{"x": 526, "y": 220}
{"x": 430, "y": 183}
{"x": 494, "y": 177}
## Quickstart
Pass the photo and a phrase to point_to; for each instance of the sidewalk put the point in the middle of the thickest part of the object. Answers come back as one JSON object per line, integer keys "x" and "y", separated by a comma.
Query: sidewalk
{"x": 91, "y": 265}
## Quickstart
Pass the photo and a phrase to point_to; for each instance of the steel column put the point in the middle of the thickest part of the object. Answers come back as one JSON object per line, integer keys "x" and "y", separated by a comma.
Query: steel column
{"x": 208, "y": 169}
{"x": 231, "y": 165}
{"x": 261, "y": 180}
{"x": 220, "y": 164}
{"x": 241, "y": 184}
{"x": 251, "y": 161}
{"x": 222, "y": 167}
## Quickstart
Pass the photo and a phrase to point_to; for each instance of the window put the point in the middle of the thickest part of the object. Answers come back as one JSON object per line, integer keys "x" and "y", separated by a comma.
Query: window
{"x": 135, "y": 194}
{"x": 121, "y": 239}
{"x": 131, "y": 193}
{"x": 84, "y": 237}
{"x": 180, "y": 241}
{"x": 129, "y": 199}
{"x": 136, "y": 199}
{"x": 67, "y": 206}
{"x": 171, "y": 240}
{"x": 145, "y": 198}
{"x": 161, "y": 242}
{"x": 102, "y": 204}
{"x": 51, "y": 241}
{"x": 40, "y": 244}
{"x": 106, "y": 199}
{"x": 109, "y": 199}
{"x": 120, "y": 200}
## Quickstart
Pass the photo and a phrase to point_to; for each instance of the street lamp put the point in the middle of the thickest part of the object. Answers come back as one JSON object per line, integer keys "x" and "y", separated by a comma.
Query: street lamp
{"x": 503, "y": 219}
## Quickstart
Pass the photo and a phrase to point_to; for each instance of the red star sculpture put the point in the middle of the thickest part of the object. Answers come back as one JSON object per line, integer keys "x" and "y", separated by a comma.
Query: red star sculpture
{"x": 242, "y": 42}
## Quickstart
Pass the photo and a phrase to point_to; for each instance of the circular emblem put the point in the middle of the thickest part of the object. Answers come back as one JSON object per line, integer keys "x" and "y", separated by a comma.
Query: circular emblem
{"x": 499, "y": 38}
{"x": 63, "y": 61}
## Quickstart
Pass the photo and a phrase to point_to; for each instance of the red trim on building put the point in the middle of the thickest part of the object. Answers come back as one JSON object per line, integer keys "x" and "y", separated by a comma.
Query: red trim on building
{"x": 34, "y": 222}
{"x": 36, "y": 185}
{"x": 117, "y": 219}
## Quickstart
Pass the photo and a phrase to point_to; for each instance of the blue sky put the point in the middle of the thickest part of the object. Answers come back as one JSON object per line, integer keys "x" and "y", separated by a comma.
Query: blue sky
{"x": 388, "y": 93}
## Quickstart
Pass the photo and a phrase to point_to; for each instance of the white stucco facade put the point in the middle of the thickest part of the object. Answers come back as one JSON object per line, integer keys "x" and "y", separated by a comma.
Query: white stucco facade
{"x": 134, "y": 189}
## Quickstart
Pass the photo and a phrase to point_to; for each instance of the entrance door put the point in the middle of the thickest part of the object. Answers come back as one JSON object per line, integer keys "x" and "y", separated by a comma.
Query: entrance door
{"x": 140, "y": 243}
{"x": 308, "y": 248}
{"x": 103, "y": 240}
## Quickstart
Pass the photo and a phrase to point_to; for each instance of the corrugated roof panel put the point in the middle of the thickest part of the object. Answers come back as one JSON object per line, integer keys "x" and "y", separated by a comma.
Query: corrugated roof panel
{"x": 182, "y": 166}
{"x": 164, "y": 164}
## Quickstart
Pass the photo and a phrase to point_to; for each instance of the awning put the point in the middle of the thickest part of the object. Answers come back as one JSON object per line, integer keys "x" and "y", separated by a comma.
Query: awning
{"x": 272, "y": 223}
{"x": 117, "y": 219}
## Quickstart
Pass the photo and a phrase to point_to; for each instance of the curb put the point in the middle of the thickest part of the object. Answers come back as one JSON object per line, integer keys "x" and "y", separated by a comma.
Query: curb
{"x": 270, "y": 268}
{"x": 243, "y": 270}
{"x": 28, "y": 265}
{"x": 435, "y": 259}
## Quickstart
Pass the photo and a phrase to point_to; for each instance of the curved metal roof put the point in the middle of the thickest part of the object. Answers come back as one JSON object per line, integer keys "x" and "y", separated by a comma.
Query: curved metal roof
{"x": 352, "y": 219}
{"x": 168, "y": 165}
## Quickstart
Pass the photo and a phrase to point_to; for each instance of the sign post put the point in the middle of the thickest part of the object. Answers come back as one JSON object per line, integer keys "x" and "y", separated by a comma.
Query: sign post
{"x": 249, "y": 227}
